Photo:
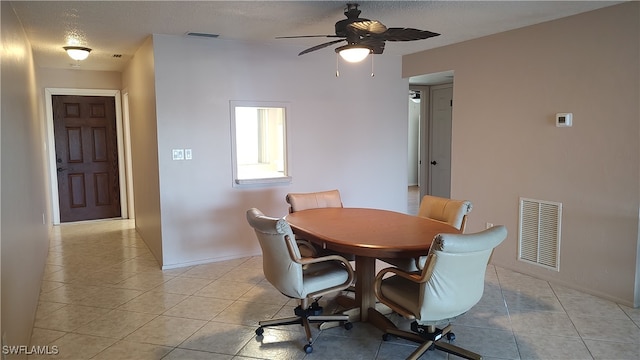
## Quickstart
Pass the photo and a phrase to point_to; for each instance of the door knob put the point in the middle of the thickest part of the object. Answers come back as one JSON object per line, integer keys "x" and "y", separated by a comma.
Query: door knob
{"x": 434, "y": 162}
{"x": 61, "y": 169}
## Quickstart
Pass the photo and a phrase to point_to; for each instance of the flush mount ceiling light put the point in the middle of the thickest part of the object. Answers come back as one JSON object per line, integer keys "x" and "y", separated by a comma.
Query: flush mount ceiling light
{"x": 353, "y": 53}
{"x": 77, "y": 52}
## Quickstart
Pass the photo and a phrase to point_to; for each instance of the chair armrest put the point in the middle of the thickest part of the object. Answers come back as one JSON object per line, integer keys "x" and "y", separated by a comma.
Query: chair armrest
{"x": 306, "y": 261}
{"x": 418, "y": 277}
{"x": 415, "y": 277}
{"x": 315, "y": 260}
{"x": 346, "y": 265}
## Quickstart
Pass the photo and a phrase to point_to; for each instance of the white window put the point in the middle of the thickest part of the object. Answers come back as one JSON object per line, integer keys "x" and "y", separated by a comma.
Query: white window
{"x": 259, "y": 142}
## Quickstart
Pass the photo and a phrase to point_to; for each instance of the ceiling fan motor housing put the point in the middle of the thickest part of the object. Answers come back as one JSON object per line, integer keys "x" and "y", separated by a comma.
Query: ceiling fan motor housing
{"x": 352, "y": 13}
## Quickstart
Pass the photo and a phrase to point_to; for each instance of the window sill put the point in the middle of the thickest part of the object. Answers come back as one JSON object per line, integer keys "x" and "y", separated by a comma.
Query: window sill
{"x": 265, "y": 181}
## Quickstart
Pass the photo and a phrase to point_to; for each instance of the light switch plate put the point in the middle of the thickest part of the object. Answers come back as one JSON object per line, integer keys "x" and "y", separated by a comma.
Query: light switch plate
{"x": 187, "y": 154}
{"x": 178, "y": 154}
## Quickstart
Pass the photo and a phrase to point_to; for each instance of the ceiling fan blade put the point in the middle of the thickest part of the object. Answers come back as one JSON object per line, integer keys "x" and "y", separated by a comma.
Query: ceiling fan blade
{"x": 365, "y": 27}
{"x": 406, "y": 34}
{"x": 321, "y": 46}
{"x": 305, "y": 36}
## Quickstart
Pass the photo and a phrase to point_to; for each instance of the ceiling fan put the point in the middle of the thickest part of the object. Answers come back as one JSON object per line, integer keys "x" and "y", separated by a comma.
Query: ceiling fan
{"x": 363, "y": 36}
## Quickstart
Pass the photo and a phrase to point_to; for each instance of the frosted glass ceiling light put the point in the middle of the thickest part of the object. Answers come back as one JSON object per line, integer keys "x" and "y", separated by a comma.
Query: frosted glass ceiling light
{"x": 353, "y": 53}
{"x": 77, "y": 52}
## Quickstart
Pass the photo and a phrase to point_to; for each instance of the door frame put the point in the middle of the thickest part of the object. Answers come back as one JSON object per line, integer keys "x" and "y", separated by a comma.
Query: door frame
{"x": 426, "y": 135}
{"x": 423, "y": 136}
{"x": 51, "y": 146}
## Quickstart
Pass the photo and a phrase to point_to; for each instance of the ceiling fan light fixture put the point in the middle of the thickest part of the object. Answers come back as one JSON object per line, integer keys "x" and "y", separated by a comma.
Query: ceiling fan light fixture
{"x": 77, "y": 52}
{"x": 353, "y": 53}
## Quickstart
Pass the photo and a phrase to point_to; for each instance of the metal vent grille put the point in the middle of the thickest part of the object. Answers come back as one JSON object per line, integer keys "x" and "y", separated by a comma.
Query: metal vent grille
{"x": 539, "y": 234}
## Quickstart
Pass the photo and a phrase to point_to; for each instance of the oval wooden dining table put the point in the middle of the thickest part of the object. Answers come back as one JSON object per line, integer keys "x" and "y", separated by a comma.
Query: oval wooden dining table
{"x": 368, "y": 234}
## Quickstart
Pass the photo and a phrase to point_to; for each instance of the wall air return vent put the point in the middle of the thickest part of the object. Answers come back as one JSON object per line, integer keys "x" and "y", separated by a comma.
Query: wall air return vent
{"x": 539, "y": 233}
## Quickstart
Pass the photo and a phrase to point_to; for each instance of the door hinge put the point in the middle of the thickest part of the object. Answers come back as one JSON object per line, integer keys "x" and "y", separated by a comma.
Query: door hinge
{"x": 450, "y": 102}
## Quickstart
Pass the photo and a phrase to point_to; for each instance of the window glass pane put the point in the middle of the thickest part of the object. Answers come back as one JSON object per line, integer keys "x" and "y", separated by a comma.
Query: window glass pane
{"x": 260, "y": 142}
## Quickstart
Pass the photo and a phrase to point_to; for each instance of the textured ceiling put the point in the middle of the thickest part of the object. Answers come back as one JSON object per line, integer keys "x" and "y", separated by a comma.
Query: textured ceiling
{"x": 120, "y": 27}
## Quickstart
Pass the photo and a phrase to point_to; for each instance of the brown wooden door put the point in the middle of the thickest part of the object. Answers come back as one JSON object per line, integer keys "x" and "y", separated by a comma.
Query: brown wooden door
{"x": 87, "y": 157}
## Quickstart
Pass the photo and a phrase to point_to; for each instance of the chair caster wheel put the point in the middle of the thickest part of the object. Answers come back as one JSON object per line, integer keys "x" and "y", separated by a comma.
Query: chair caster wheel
{"x": 386, "y": 337}
{"x": 348, "y": 326}
{"x": 259, "y": 331}
{"x": 451, "y": 336}
{"x": 308, "y": 349}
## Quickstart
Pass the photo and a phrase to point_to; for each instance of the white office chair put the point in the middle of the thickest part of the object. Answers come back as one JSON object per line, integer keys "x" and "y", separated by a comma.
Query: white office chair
{"x": 452, "y": 212}
{"x": 315, "y": 200}
{"x": 306, "y": 279}
{"x": 451, "y": 283}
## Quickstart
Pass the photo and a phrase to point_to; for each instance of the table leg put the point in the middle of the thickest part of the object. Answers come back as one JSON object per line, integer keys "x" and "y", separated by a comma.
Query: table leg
{"x": 365, "y": 276}
{"x": 365, "y": 298}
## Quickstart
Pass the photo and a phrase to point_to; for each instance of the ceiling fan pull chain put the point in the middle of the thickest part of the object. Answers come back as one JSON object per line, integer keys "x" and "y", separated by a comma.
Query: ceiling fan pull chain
{"x": 337, "y": 61}
{"x": 372, "y": 74}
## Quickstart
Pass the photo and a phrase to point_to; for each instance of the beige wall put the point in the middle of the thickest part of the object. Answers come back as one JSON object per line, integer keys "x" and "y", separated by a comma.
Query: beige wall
{"x": 348, "y": 133}
{"x": 79, "y": 79}
{"x": 24, "y": 196}
{"x": 508, "y": 88}
{"x": 139, "y": 83}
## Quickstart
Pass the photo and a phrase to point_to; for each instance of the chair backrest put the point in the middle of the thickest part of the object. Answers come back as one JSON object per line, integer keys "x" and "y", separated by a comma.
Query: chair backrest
{"x": 313, "y": 200}
{"x": 453, "y": 212}
{"x": 278, "y": 250}
{"x": 454, "y": 272}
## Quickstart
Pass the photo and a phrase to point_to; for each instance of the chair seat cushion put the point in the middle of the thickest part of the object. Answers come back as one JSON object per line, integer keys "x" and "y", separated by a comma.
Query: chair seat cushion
{"x": 406, "y": 293}
{"x": 323, "y": 275}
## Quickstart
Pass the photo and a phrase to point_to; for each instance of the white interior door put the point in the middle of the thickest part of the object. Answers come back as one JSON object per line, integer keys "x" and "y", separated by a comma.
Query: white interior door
{"x": 440, "y": 140}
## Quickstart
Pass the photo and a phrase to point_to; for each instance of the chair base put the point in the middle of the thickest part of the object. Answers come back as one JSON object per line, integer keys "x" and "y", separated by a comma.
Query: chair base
{"x": 430, "y": 339}
{"x": 305, "y": 317}
{"x": 354, "y": 312}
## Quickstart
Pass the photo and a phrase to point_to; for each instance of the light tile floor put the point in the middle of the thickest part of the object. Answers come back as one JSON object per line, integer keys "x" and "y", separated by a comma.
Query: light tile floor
{"x": 104, "y": 297}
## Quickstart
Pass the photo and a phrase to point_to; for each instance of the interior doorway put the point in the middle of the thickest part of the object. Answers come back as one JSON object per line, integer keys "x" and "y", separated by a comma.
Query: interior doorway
{"x": 434, "y": 138}
{"x": 53, "y": 160}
